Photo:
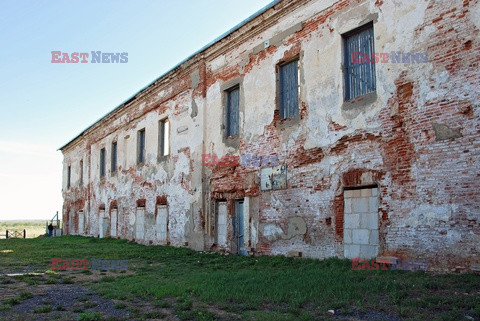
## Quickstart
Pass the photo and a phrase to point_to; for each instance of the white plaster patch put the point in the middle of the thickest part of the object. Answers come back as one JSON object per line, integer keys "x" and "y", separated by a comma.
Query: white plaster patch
{"x": 272, "y": 232}
{"x": 259, "y": 102}
{"x": 475, "y": 15}
{"x": 440, "y": 80}
{"x": 426, "y": 214}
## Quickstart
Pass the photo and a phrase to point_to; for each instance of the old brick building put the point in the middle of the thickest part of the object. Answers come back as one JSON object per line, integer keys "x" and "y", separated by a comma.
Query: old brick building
{"x": 339, "y": 155}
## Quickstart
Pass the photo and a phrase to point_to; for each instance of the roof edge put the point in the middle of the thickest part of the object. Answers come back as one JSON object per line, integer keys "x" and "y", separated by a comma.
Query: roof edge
{"x": 202, "y": 49}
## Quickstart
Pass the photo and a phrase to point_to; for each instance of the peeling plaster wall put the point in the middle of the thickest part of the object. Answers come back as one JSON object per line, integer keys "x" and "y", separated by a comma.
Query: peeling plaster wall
{"x": 166, "y": 179}
{"x": 417, "y": 138}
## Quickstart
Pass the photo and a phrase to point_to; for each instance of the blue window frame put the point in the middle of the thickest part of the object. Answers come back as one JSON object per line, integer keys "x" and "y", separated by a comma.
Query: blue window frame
{"x": 359, "y": 62}
{"x": 233, "y": 104}
{"x": 102, "y": 162}
{"x": 114, "y": 157}
{"x": 141, "y": 146}
{"x": 288, "y": 74}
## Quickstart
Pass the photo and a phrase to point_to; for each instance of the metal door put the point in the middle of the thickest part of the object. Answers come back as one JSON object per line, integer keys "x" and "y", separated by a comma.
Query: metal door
{"x": 239, "y": 229}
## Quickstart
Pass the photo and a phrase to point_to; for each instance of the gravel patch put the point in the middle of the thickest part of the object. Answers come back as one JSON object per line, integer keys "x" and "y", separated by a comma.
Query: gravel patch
{"x": 69, "y": 297}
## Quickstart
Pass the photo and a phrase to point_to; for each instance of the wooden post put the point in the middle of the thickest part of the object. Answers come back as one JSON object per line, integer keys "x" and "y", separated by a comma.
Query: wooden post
{"x": 24, "y": 233}
{"x": 6, "y": 234}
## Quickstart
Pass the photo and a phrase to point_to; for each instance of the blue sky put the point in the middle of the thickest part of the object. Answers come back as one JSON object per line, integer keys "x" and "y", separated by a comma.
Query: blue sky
{"x": 44, "y": 105}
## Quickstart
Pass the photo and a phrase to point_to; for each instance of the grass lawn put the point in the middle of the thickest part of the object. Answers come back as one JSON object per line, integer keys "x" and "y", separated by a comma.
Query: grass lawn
{"x": 181, "y": 284}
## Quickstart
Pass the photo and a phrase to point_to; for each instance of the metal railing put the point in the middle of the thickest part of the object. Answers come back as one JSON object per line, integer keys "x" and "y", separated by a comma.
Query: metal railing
{"x": 57, "y": 230}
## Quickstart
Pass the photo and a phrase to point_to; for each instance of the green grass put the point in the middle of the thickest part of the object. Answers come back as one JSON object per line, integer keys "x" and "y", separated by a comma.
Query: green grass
{"x": 25, "y": 295}
{"x": 90, "y": 316}
{"x": 107, "y": 279}
{"x": 11, "y": 301}
{"x": 162, "y": 304}
{"x": 8, "y": 303}
{"x": 89, "y": 305}
{"x": 5, "y": 307}
{"x": 43, "y": 309}
{"x": 258, "y": 288}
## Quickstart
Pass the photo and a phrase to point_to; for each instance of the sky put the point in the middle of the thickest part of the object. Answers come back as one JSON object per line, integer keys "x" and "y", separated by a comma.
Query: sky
{"x": 44, "y": 105}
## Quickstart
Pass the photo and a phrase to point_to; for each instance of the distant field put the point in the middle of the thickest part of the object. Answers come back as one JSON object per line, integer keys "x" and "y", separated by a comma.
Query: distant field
{"x": 34, "y": 228}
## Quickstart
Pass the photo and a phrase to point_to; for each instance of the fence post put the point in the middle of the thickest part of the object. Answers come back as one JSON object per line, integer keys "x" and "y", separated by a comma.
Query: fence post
{"x": 24, "y": 233}
{"x": 6, "y": 234}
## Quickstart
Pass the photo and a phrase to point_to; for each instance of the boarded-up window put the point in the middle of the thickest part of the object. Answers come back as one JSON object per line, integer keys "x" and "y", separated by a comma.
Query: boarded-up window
{"x": 102, "y": 162}
{"x": 222, "y": 224}
{"x": 140, "y": 223}
{"x": 288, "y": 77}
{"x": 114, "y": 222}
{"x": 232, "y": 112}
{"x": 141, "y": 146}
{"x": 114, "y": 157}
{"x": 162, "y": 223}
{"x": 359, "y": 62}
{"x": 164, "y": 137}
{"x": 81, "y": 222}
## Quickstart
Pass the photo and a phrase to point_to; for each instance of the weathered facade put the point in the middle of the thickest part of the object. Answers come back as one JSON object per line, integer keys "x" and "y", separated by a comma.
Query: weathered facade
{"x": 375, "y": 159}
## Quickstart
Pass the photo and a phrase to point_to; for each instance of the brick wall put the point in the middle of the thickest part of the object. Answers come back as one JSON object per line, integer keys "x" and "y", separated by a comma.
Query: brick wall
{"x": 417, "y": 138}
